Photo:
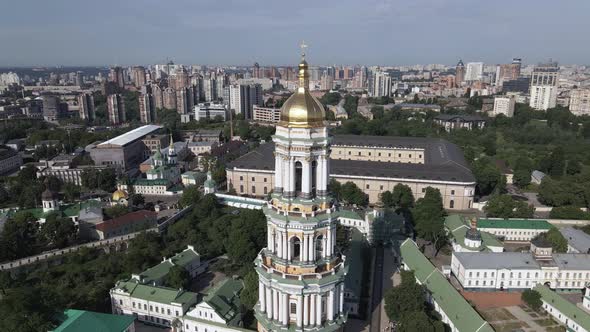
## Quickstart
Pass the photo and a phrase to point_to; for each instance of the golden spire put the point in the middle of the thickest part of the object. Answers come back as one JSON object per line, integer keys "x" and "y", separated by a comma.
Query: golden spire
{"x": 303, "y": 74}
{"x": 302, "y": 110}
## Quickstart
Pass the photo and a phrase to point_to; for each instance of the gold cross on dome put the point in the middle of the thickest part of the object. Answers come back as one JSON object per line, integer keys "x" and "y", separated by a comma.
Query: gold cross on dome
{"x": 303, "y": 47}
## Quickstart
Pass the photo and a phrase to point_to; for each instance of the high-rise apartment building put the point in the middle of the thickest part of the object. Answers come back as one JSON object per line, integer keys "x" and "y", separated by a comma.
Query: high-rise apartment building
{"x": 210, "y": 89}
{"x": 116, "y": 109}
{"x": 243, "y": 97}
{"x": 508, "y": 72}
{"x": 544, "y": 86}
{"x": 86, "y": 106}
{"x": 51, "y": 108}
{"x": 504, "y": 105}
{"x": 147, "y": 105}
{"x": 184, "y": 100}
{"x": 474, "y": 71}
{"x": 381, "y": 85}
{"x": 169, "y": 98}
{"x": 256, "y": 71}
{"x": 580, "y": 101}
{"x": 117, "y": 76}
{"x": 327, "y": 82}
{"x": 158, "y": 95}
{"x": 138, "y": 76}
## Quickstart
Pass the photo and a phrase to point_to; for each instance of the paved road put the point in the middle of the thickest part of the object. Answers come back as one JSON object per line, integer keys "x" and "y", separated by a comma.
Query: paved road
{"x": 377, "y": 293}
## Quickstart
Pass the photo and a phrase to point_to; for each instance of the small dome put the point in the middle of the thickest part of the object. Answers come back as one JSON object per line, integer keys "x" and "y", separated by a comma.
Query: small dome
{"x": 473, "y": 234}
{"x": 119, "y": 194}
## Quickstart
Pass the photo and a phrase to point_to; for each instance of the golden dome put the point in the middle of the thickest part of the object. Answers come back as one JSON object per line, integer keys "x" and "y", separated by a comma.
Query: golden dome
{"x": 302, "y": 110}
{"x": 118, "y": 195}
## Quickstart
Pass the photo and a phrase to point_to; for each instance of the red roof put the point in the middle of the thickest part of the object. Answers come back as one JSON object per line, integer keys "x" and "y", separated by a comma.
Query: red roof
{"x": 128, "y": 219}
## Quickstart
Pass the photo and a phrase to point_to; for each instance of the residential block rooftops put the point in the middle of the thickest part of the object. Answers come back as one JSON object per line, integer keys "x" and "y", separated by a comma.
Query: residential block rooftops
{"x": 456, "y": 308}
{"x": 513, "y": 223}
{"x": 564, "y": 306}
{"x": 158, "y": 272}
{"x": 88, "y": 321}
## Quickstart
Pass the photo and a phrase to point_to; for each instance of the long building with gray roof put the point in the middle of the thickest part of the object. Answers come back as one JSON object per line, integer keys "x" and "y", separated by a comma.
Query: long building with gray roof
{"x": 375, "y": 164}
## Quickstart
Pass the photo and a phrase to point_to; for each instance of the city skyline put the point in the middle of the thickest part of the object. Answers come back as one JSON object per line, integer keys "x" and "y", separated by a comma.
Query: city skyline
{"x": 243, "y": 32}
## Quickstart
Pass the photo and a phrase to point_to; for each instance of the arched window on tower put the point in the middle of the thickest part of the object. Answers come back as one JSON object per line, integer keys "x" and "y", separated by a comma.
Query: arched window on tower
{"x": 295, "y": 248}
{"x": 298, "y": 176}
{"x": 319, "y": 246}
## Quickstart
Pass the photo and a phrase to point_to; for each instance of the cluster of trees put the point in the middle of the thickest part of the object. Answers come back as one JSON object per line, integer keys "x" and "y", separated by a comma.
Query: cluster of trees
{"x": 348, "y": 193}
{"x": 84, "y": 278}
{"x": 22, "y": 236}
{"x": 504, "y": 206}
{"x": 429, "y": 216}
{"x": 521, "y": 141}
{"x": 568, "y": 212}
{"x": 105, "y": 179}
{"x": 331, "y": 98}
{"x": 23, "y": 190}
{"x": 532, "y": 298}
{"x": 400, "y": 198}
{"x": 555, "y": 238}
{"x": 406, "y": 306}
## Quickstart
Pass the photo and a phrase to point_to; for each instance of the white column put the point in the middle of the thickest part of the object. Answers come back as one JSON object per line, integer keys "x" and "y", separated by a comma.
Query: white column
{"x": 324, "y": 246}
{"x": 291, "y": 174}
{"x": 305, "y": 177}
{"x": 289, "y": 249}
{"x": 268, "y": 303}
{"x": 273, "y": 235}
{"x": 312, "y": 313}
{"x": 279, "y": 238}
{"x": 302, "y": 251}
{"x": 320, "y": 174}
{"x": 275, "y": 304}
{"x": 305, "y": 310}
{"x": 285, "y": 309}
{"x": 261, "y": 296}
{"x": 269, "y": 237}
{"x": 300, "y": 310}
{"x": 330, "y": 305}
{"x": 318, "y": 310}
{"x": 286, "y": 174}
{"x": 285, "y": 245}
{"x": 278, "y": 171}
{"x": 329, "y": 241}
{"x": 312, "y": 248}
{"x": 341, "y": 290}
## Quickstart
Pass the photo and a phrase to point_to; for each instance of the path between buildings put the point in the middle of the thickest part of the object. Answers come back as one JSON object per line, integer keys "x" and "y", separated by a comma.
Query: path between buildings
{"x": 524, "y": 317}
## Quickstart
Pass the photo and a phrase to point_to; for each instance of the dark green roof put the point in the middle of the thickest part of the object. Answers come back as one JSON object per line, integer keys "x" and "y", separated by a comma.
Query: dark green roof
{"x": 88, "y": 321}
{"x": 513, "y": 223}
{"x": 224, "y": 298}
{"x": 158, "y": 294}
{"x": 158, "y": 272}
{"x": 459, "y": 312}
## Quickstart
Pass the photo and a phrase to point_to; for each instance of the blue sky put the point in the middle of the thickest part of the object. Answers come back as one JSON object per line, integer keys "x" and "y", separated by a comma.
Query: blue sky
{"x": 372, "y": 32}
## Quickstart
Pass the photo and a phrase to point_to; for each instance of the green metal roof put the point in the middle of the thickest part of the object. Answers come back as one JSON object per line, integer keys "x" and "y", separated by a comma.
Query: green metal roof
{"x": 158, "y": 294}
{"x": 158, "y": 272}
{"x": 513, "y": 223}
{"x": 463, "y": 316}
{"x": 224, "y": 298}
{"x": 349, "y": 214}
{"x": 88, "y": 321}
{"x": 566, "y": 307}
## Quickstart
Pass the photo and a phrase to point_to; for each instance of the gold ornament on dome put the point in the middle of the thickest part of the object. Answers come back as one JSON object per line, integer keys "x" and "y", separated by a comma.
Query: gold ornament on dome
{"x": 302, "y": 110}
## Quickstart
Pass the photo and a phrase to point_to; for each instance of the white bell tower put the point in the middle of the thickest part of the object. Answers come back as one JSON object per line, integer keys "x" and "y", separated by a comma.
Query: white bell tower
{"x": 301, "y": 276}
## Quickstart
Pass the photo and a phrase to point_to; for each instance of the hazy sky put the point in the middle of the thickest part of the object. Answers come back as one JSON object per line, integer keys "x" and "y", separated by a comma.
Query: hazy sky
{"x": 372, "y": 32}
